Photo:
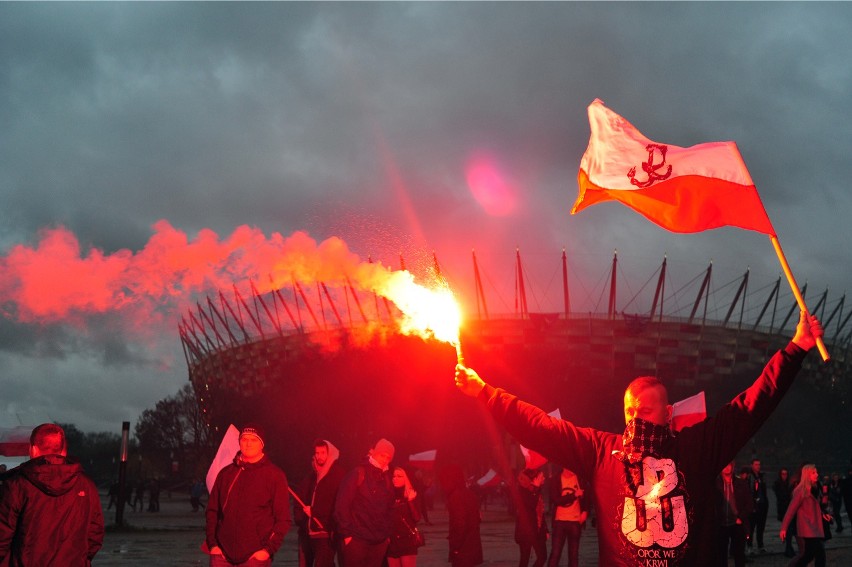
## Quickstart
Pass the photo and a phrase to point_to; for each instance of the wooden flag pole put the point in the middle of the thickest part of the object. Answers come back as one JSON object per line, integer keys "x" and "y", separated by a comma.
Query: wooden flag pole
{"x": 303, "y": 505}
{"x": 799, "y": 299}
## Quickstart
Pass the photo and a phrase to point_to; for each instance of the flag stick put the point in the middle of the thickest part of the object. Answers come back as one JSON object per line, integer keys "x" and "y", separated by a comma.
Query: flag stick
{"x": 302, "y": 504}
{"x": 799, "y": 299}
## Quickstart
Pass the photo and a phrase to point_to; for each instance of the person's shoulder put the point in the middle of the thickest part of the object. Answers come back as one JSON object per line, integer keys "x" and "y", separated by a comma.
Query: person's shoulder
{"x": 271, "y": 468}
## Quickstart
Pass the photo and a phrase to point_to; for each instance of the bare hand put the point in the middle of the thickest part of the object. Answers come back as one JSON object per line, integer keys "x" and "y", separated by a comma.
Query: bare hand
{"x": 807, "y": 331}
{"x": 307, "y": 510}
{"x": 410, "y": 494}
{"x": 216, "y": 550}
{"x": 260, "y": 555}
{"x": 468, "y": 381}
{"x": 783, "y": 535}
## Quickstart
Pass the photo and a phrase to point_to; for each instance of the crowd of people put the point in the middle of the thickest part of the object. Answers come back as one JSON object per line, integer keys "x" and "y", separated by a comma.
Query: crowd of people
{"x": 659, "y": 497}
{"x": 364, "y": 517}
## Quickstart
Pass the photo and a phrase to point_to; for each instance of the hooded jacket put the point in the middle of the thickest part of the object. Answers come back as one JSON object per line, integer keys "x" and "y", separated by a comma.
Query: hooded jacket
{"x": 50, "y": 514}
{"x": 248, "y": 509}
{"x": 319, "y": 491}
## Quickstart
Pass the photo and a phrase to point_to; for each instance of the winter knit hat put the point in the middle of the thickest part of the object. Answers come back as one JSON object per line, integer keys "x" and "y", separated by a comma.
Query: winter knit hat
{"x": 384, "y": 446}
{"x": 253, "y": 429}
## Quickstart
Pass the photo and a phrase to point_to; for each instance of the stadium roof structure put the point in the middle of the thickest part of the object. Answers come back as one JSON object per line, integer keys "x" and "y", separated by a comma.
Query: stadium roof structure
{"x": 330, "y": 359}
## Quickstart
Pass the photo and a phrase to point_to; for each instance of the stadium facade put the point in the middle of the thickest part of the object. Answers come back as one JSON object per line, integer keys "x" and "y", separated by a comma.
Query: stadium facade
{"x": 339, "y": 369}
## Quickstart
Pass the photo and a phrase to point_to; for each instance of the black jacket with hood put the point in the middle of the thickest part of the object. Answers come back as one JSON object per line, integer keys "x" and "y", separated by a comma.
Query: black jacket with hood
{"x": 50, "y": 514}
{"x": 248, "y": 509}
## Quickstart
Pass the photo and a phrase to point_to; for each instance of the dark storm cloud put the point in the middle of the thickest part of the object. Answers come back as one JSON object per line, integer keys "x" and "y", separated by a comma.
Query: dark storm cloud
{"x": 357, "y": 120}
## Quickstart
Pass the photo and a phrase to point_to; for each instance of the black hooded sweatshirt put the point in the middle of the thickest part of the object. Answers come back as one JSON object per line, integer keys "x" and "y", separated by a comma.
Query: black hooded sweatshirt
{"x": 50, "y": 514}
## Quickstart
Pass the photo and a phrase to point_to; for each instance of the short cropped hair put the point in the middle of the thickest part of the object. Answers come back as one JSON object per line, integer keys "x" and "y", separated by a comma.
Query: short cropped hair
{"x": 320, "y": 443}
{"x": 49, "y": 438}
{"x": 642, "y": 383}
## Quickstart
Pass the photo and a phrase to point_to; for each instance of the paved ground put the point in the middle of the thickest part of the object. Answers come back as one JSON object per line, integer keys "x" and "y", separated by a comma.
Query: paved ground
{"x": 172, "y": 537}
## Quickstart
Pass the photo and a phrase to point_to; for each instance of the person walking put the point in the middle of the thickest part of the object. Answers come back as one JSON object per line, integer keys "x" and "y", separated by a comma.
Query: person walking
{"x": 530, "y": 527}
{"x": 805, "y": 507}
{"x": 783, "y": 489}
{"x": 734, "y": 508}
{"x": 315, "y": 508}
{"x": 569, "y": 517}
{"x": 464, "y": 537}
{"x": 363, "y": 510}
{"x": 405, "y": 538}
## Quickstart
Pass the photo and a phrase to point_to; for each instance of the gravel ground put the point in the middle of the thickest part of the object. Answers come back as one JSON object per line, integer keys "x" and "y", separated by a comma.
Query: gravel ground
{"x": 172, "y": 537}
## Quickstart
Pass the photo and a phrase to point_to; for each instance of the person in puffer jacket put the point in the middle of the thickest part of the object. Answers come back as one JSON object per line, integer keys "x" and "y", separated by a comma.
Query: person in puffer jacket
{"x": 50, "y": 512}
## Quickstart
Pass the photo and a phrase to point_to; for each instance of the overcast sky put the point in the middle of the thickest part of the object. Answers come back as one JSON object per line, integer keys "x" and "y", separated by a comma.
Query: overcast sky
{"x": 124, "y": 127}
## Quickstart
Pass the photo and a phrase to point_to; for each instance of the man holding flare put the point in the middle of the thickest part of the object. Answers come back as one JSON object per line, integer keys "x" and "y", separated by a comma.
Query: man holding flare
{"x": 653, "y": 489}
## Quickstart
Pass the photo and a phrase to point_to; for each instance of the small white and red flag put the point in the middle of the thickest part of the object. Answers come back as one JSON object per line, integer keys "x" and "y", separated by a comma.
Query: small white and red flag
{"x": 681, "y": 189}
{"x": 424, "y": 460}
{"x": 15, "y": 441}
{"x": 533, "y": 460}
{"x": 228, "y": 449}
{"x": 491, "y": 478}
{"x": 689, "y": 411}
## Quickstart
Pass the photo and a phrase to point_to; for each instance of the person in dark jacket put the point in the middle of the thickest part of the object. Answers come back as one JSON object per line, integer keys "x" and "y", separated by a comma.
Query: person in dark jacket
{"x": 50, "y": 512}
{"x": 464, "y": 537}
{"x": 363, "y": 510}
{"x": 783, "y": 489}
{"x": 734, "y": 508}
{"x": 314, "y": 515}
{"x": 530, "y": 526}
{"x": 402, "y": 550}
{"x": 653, "y": 489}
{"x": 247, "y": 512}
{"x": 757, "y": 525}
{"x": 846, "y": 492}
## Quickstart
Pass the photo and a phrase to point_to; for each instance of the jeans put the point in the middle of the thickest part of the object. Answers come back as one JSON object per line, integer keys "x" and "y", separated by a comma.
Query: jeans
{"x": 359, "y": 553}
{"x": 813, "y": 550}
{"x": 734, "y": 534}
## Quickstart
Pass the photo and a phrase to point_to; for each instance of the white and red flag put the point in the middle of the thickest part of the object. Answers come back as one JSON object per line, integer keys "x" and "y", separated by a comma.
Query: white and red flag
{"x": 533, "y": 460}
{"x": 689, "y": 411}
{"x": 228, "y": 449}
{"x": 491, "y": 478}
{"x": 424, "y": 460}
{"x": 681, "y": 189}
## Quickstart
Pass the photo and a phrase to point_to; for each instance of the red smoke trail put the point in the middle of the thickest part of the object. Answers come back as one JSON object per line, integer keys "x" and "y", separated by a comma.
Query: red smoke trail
{"x": 56, "y": 282}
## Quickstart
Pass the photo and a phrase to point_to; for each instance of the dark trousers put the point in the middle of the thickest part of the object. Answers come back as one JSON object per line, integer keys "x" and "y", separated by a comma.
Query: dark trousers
{"x": 813, "y": 550}
{"x": 359, "y": 553}
{"x": 565, "y": 532}
{"x": 731, "y": 538}
{"x": 758, "y": 523}
{"x": 315, "y": 551}
{"x": 540, "y": 546}
{"x": 220, "y": 561}
{"x": 838, "y": 517}
{"x": 323, "y": 552}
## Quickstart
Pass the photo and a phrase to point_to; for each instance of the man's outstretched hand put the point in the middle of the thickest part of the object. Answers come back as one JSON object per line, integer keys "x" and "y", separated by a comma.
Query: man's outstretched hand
{"x": 468, "y": 381}
{"x": 807, "y": 331}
